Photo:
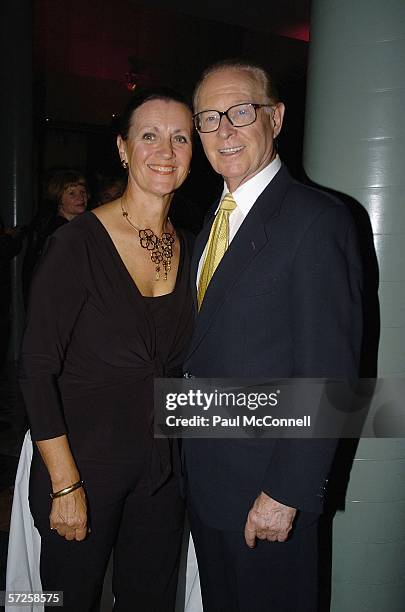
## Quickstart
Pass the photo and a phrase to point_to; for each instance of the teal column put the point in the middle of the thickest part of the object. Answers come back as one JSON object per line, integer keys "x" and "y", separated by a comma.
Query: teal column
{"x": 355, "y": 144}
{"x": 16, "y": 121}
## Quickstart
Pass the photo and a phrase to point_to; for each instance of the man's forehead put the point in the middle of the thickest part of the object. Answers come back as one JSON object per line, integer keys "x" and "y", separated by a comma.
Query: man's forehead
{"x": 237, "y": 85}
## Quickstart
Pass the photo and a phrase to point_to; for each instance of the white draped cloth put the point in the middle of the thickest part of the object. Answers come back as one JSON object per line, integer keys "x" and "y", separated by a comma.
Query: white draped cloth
{"x": 193, "y": 601}
{"x": 24, "y": 546}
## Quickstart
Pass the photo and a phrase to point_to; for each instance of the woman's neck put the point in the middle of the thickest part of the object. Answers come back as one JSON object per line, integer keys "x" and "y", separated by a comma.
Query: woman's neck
{"x": 146, "y": 210}
{"x": 67, "y": 216}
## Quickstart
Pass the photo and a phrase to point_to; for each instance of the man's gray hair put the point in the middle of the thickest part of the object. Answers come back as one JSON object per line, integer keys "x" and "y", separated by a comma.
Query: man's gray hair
{"x": 260, "y": 74}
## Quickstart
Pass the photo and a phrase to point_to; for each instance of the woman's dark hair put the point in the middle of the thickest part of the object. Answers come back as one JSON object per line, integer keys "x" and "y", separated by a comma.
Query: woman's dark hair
{"x": 146, "y": 95}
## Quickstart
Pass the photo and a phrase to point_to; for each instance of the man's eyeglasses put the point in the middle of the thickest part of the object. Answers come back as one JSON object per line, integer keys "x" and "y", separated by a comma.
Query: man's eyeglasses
{"x": 238, "y": 115}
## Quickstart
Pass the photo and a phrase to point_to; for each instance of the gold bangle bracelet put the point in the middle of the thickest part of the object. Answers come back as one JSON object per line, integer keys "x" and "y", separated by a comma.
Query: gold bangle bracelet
{"x": 67, "y": 490}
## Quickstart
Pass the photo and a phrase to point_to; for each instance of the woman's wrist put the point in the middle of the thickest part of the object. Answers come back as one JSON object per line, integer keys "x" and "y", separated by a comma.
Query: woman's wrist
{"x": 66, "y": 490}
{"x": 59, "y": 462}
{"x": 60, "y": 481}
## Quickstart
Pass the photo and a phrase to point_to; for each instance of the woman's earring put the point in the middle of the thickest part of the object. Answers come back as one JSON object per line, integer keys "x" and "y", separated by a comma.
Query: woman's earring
{"x": 124, "y": 164}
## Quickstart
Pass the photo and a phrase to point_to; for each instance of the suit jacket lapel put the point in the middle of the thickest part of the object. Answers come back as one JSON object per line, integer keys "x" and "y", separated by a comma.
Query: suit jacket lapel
{"x": 247, "y": 244}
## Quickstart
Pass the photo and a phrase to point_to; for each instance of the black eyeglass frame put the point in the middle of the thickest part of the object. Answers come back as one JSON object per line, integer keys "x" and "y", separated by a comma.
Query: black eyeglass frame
{"x": 225, "y": 113}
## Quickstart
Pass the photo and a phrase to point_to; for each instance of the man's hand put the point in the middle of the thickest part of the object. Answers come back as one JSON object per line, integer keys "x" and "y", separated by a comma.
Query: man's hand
{"x": 69, "y": 515}
{"x": 268, "y": 519}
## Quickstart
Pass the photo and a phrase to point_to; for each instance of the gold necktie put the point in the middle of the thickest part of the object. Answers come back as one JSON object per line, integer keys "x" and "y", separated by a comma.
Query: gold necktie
{"x": 217, "y": 244}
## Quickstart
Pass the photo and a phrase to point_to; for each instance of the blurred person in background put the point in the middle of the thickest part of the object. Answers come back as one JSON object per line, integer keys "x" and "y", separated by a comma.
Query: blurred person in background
{"x": 108, "y": 188}
{"x": 66, "y": 196}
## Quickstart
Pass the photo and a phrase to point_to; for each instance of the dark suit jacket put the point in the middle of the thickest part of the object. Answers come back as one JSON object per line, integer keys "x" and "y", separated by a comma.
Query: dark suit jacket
{"x": 284, "y": 302}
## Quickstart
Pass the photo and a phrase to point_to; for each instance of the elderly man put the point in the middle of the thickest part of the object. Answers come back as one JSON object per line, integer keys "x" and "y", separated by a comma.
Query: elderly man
{"x": 278, "y": 280}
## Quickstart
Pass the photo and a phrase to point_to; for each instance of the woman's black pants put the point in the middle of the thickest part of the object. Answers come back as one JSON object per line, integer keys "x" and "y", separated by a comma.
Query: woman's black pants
{"x": 143, "y": 531}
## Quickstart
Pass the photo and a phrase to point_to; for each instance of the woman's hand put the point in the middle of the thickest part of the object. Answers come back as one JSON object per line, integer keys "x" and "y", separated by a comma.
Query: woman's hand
{"x": 69, "y": 515}
{"x": 69, "y": 512}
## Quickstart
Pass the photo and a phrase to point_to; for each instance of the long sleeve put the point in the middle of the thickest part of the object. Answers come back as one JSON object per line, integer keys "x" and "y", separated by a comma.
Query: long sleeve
{"x": 326, "y": 311}
{"x": 56, "y": 299}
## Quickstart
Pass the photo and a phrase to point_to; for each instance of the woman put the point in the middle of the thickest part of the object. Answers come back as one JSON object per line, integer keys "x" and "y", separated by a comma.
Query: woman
{"x": 110, "y": 310}
{"x": 67, "y": 196}
{"x": 67, "y": 191}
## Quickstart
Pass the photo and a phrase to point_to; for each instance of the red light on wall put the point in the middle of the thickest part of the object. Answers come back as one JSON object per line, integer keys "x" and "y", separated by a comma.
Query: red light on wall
{"x": 299, "y": 31}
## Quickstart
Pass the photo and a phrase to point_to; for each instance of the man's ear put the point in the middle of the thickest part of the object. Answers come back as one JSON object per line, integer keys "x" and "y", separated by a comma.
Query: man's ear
{"x": 277, "y": 118}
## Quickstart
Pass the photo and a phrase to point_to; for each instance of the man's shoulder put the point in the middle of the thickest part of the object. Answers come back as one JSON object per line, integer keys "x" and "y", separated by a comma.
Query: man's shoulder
{"x": 311, "y": 196}
{"x": 307, "y": 202}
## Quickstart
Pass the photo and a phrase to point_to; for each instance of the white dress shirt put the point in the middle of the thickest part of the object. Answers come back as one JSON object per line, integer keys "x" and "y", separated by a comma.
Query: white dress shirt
{"x": 245, "y": 196}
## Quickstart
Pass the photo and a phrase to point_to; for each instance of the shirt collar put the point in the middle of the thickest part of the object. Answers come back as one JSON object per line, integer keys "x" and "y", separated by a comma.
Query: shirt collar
{"x": 246, "y": 195}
